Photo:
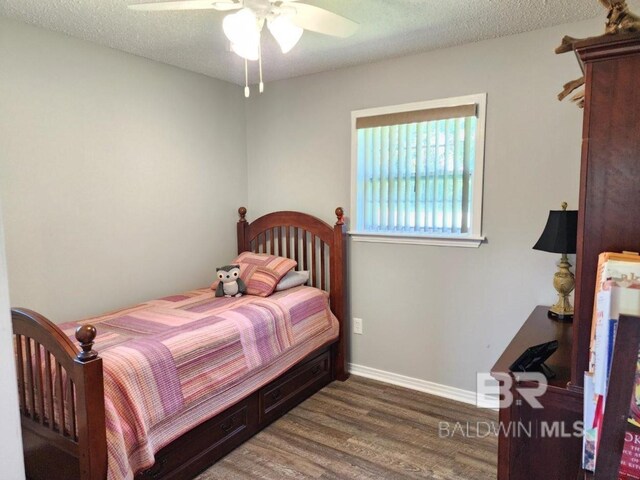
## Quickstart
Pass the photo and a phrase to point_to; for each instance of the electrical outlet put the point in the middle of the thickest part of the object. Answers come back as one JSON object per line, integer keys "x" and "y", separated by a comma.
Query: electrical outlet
{"x": 357, "y": 326}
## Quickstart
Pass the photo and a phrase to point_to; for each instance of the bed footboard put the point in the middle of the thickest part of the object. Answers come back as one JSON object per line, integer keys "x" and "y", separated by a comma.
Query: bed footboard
{"x": 61, "y": 395}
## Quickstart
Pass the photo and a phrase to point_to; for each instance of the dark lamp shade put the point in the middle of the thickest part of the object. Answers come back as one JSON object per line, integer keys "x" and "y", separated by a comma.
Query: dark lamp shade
{"x": 560, "y": 233}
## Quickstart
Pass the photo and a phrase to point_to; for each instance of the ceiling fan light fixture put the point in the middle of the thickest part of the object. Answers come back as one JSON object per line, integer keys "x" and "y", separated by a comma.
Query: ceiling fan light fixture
{"x": 286, "y": 33}
{"x": 286, "y": 19}
{"x": 246, "y": 50}
{"x": 243, "y": 31}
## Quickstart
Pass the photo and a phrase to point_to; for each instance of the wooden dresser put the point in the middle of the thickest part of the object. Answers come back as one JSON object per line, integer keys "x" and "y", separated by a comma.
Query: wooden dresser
{"x": 608, "y": 220}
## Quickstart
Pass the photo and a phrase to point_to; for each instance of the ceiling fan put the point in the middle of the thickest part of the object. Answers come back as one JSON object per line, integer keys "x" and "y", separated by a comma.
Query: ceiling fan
{"x": 285, "y": 19}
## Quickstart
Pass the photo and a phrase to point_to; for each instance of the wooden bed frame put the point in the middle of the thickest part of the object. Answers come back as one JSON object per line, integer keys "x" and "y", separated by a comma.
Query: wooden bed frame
{"x": 73, "y": 445}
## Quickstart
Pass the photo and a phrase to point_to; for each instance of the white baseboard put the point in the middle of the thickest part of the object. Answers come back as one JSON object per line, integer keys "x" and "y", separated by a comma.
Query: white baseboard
{"x": 437, "y": 389}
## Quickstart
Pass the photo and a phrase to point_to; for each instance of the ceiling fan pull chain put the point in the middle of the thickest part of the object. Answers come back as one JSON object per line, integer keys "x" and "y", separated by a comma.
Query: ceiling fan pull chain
{"x": 261, "y": 88}
{"x": 247, "y": 91}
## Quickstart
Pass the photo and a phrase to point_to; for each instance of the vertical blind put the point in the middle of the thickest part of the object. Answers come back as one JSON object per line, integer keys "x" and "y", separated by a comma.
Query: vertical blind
{"x": 415, "y": 171}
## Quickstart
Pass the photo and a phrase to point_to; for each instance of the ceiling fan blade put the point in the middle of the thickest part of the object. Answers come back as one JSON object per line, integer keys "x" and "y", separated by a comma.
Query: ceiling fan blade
{"x": 319, "y": 20}
{"x": 226, "y": 5}
{"x": 186, "y": 5}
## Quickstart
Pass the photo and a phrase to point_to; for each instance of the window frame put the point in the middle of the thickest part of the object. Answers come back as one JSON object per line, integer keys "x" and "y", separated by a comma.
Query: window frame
{"x": 474, "y": 237}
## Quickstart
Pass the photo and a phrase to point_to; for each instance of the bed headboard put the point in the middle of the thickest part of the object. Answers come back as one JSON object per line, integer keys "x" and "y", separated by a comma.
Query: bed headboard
{"x": 315, "y": 245}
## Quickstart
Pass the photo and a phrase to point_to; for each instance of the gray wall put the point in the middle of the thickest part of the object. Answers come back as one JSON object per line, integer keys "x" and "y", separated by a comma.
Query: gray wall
{"x": 434, "y": 313}
{"x": 119, "y": 176}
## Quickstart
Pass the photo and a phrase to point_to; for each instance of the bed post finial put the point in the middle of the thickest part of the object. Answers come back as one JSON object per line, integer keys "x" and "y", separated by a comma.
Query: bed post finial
{"x": 86, "y": 334}
{"x": 242, "y": 211}
{"x": 340, "y": 215}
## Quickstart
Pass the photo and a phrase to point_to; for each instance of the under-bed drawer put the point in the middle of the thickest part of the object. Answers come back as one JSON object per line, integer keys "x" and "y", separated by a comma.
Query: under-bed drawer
{"x": 213, "y": 439}
{"x": 294, "y": 387}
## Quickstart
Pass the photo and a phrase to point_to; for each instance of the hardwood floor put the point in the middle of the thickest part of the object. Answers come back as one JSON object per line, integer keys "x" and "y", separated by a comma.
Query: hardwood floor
{"x": 362, "y": 429}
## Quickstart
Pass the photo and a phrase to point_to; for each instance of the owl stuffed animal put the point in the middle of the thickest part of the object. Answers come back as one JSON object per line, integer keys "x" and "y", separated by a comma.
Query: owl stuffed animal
{"x": 229, "y": 282}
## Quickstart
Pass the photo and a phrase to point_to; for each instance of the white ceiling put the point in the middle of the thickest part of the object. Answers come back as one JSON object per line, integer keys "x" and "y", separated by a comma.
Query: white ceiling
{"x": 194, "y": 40}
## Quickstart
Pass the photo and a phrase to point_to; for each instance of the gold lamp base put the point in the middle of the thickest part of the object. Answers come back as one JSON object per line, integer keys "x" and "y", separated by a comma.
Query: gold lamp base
{"x": 564, "y": 282}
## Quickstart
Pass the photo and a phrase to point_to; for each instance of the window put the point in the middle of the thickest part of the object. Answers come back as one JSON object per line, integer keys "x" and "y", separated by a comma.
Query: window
{"x": 417, "y": 172}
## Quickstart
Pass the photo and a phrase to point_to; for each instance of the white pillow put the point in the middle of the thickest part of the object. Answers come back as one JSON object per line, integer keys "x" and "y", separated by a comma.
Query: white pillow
{"x": 292, "y": 279}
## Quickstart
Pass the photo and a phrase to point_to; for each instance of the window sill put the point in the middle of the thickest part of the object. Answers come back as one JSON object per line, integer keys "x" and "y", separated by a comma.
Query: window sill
{"x": 434, "y": 240}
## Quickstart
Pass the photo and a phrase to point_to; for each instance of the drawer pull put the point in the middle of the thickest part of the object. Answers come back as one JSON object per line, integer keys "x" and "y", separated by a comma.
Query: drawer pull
{"x": 276, "y": 394}
{"x": 227, "y": 426}
{"x": 315, "y": 369}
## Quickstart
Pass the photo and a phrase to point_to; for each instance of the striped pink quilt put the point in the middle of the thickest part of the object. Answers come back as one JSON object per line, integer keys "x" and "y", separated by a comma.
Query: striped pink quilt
{"x": 170, "y": 364}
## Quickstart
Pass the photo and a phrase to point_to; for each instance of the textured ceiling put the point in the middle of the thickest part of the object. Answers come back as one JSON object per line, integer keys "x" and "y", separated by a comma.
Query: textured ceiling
{"x": 194, "y": 40}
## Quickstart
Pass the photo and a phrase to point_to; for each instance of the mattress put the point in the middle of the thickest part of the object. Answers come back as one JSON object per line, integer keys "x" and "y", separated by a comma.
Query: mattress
{"x": 172, "y": 363}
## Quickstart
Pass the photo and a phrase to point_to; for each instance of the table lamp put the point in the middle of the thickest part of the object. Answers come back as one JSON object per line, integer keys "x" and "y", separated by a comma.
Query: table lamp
{"x": 559, "y": 236}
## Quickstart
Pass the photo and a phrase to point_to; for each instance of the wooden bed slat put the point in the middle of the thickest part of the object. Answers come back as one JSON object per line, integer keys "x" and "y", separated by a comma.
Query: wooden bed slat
{"x": 29, "y": 378}
{"x": 305, "y": 248}
{"x": 272, "y": 244}
{"x": 314, "y": 265}
{"x": 60, "y": 399}
{"x": 323, "y": 279}
{"x": 281, "y": 241}
{"x": 49, "y": 388}
{"x": 20, "y": 369}
{"x": 39, "y": 391}
{"x": 296, "y": 246}
{"x": 70, "y": 407}
{"x": 288, "y": 242}
{"x": 329, "y": 269}
{"x": 273, "y": 241}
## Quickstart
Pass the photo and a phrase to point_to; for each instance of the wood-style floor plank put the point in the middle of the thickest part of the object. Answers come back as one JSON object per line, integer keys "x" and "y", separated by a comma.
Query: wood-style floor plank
{"x": 362, "y": 430}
